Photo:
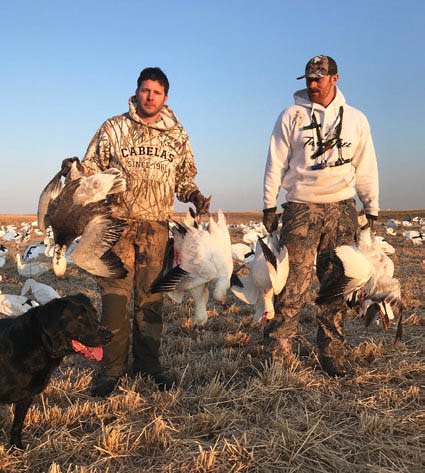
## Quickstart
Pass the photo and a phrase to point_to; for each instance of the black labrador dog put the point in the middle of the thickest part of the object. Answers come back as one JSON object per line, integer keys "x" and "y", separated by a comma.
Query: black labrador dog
{"x": 33, "y": 345}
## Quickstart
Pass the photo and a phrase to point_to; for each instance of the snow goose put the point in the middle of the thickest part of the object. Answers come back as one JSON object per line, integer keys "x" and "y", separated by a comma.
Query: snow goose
{"x": 11, "y": 304}
{"x": 384, "y": 245}
{"x": 362, "y": 267}
{"x": 43, "y": 293}
{"x": 241, "y": 252}
{"x": 267, "y": 275}
{"x": 201, "y": 255}
{"x": 79, "y": 208}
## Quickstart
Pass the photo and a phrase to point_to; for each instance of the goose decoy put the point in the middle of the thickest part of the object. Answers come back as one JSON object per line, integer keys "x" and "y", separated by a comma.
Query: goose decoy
{"x": 3, "y": 254}
{"x": 42, "y": 293}
{"x": 11, "y": 304}
{"x": 78, "y": 208}
{"x": 32, "y": 269}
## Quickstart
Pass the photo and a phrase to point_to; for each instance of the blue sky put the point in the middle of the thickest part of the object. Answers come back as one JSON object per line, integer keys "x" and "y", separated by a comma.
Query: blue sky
{"x": 67, "y": 66}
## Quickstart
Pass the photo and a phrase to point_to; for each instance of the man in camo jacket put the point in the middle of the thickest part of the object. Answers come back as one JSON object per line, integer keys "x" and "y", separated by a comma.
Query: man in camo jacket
{"x": 321, "y": 152}
{"x": 152, "y": 150}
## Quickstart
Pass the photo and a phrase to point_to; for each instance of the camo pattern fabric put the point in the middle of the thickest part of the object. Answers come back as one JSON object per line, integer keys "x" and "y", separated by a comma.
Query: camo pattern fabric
{"x": 155, "y": 158}
{"x": 309, "y": 229}
{"x": 141, "y": 248}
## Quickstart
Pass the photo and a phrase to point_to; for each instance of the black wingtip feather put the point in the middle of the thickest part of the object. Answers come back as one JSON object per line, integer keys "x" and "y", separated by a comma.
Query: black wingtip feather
{"x": 169, "y": 282}
{"x": 235, "y": 280}
{"x": 115, "y": 265}
{"x": 268, "y": 254}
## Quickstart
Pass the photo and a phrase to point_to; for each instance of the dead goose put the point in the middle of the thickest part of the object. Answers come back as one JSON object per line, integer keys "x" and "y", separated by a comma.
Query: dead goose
{"x": 201, "y": 255}
{"x": 268, "y": 272}
{"x": 79, "y": 208}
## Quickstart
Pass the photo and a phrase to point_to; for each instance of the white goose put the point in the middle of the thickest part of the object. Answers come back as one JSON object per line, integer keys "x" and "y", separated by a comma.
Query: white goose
{"x": 11, "y": 304}
{"x": 200, "y": 256}
{"x": 79, "y": 208}
{"x": 366, "y": 268}
{"x": 241, "y": 252}
{"x": 43, "y": 293}
{"x": 268, "y": 272}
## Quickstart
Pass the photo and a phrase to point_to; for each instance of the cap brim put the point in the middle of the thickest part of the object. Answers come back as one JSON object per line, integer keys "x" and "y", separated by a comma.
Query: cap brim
{"x": 312, "y": 76}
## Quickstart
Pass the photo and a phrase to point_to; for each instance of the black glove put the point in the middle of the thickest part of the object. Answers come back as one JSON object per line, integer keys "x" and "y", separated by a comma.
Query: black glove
{"x": 67, "y": 163}
{"x": 201, "y": 203}
{"x": 268, "y": 218}
{"x": 371, "y": 219}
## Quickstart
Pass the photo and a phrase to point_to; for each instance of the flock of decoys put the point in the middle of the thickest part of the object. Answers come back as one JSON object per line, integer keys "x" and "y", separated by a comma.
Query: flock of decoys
{"x": 75, "y": 218}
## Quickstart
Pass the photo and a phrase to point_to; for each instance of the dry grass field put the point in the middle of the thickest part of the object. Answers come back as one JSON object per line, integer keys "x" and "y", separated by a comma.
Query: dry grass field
{"x": 234, "y": 410}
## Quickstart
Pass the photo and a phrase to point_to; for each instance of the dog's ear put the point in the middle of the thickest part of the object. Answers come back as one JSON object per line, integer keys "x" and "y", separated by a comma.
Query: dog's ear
{"x": 52, "y": 333}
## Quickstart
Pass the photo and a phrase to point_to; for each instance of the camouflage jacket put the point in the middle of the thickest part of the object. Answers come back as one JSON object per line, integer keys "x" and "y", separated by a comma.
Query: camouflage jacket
{"x": 156, "y": 159}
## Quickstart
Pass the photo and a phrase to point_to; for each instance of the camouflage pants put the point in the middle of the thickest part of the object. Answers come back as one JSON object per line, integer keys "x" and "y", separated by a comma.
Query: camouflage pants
{"x": 141, "y": 248}
{"x": 310, "y": 229}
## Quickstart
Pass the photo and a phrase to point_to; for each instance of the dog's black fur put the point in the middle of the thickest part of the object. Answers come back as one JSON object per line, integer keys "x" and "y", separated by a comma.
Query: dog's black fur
{"x": 33, "y": 345}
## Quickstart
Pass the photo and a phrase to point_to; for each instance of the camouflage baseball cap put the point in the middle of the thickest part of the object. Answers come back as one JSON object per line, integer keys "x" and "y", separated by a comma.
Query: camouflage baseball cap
{"x": 320, "y": 66}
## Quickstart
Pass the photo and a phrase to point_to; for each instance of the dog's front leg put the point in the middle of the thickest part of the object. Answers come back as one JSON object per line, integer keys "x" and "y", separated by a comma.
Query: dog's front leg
{"x": 21, "y": 409}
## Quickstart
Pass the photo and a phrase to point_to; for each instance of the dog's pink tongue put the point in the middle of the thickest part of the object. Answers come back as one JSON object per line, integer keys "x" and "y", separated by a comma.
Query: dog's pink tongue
{"x": 92, "y": 353}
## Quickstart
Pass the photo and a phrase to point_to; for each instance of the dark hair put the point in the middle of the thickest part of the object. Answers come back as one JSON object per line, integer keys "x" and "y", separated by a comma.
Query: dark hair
{"x": 154, "y": 73}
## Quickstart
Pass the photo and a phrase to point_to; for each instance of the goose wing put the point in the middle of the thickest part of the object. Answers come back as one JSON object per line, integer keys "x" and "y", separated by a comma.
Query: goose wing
{"x": 350, "y": 271}
{"x": 93, "y": 253}
{"x": 49, "y": 193}
{"x": 96, "y": 187}
{"x": 196, "y": 264}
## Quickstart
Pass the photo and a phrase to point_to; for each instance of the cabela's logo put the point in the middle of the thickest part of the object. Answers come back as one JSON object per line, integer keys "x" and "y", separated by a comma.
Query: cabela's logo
{"x": 147, "y": 151}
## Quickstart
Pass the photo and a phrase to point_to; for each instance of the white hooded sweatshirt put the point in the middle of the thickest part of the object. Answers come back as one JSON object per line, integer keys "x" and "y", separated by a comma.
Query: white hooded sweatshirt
{"x": 293, "y": 142}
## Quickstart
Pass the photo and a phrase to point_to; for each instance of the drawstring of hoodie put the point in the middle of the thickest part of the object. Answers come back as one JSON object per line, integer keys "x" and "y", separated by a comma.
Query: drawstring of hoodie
{"x": 323, "y": 146}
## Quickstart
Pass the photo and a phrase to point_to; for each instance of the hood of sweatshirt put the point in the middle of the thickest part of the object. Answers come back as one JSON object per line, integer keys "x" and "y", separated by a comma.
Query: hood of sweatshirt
{"x": 301, "y": 98}
{"x": 166, "y": 121}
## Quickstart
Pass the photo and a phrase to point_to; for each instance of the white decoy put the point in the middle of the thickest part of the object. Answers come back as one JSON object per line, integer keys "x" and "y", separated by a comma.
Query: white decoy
{"x": 79, "y": 208}
{"x": 416, "y": 237}
{"x": 268, "y": 272}
{"x": 42, "y": 293}
{"x": 390, "y": 231}
{"x": 31, "y": 269}
{"x": 11, "y": 304}
{"x": 34, "y": 251}
{"x": 3, "y": 254}
{"x": 201, "y": 256}
{"x": 384, "y": 245}
{"x": 10, "y": 235}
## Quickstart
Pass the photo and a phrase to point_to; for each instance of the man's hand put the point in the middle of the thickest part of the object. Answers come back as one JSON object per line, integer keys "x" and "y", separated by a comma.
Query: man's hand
{"x": 268, "y": 218}
{"x": 371, "y": 219}
{"x": 67, "y": 163}
{"x": 201, "y": 203}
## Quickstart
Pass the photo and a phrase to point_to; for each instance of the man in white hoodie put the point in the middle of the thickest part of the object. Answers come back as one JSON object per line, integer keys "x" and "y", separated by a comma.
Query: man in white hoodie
{"x": 321, "y": 153}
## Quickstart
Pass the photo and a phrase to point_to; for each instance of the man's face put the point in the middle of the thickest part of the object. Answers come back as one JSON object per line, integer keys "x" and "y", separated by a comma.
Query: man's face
{"x": 150, "y": 97}
{"x": 322, "y": 91}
